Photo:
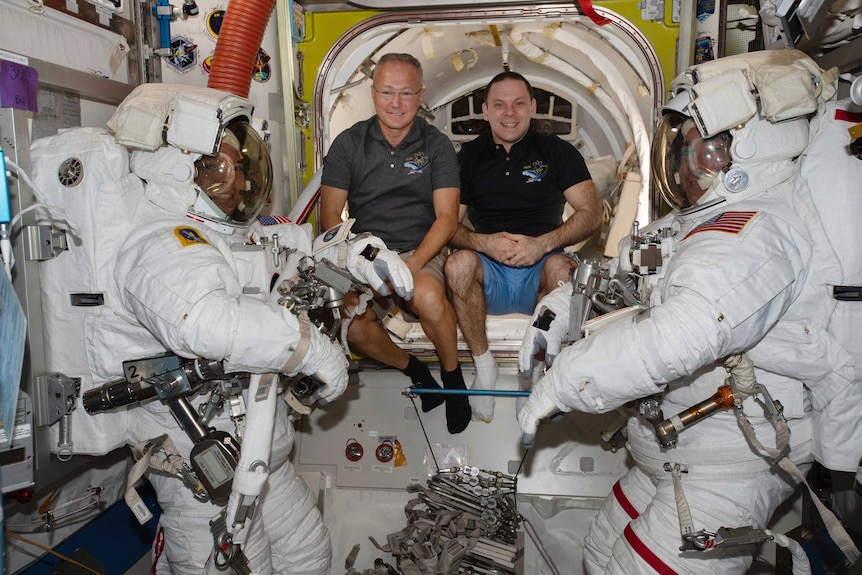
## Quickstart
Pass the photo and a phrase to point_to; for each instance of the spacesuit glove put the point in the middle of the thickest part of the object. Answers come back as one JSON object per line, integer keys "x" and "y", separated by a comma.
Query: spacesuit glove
{"x": 383, "y": 265}
{"x": 548, "y": 328}
{"x": 325, "y": 361}
{"x": 544, "y": 402}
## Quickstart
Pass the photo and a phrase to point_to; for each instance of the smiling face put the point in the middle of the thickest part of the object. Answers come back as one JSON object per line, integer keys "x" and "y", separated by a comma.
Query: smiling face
{"x": 508, "y": 108}
{"x": 397, "y": 93}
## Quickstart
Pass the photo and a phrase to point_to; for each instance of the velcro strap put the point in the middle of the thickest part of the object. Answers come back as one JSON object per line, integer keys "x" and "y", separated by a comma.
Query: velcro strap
{"x": 342, "y": 254}
{"x": 172, "y": 463}
{"x": 292, "y": 364}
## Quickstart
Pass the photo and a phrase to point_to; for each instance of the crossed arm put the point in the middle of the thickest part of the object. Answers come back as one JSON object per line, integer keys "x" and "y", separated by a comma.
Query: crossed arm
{"x": 520, "y": 250}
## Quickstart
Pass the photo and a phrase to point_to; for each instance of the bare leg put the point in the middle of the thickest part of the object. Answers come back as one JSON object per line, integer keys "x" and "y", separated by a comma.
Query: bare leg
{"x": 437, "y": 317}
{"x": 464, "y": 279}
{"x": 367, "y": 337}
{"x": 557, "y": 268}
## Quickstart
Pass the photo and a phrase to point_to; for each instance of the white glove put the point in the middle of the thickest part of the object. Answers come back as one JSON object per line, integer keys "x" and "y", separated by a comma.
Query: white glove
{"x": 558, "y": 303}
{"x": 325, "y": 361}
{"x": 544, "y": 402}
{"x": 384, "y": 265}
{"x": 524, "y": 384}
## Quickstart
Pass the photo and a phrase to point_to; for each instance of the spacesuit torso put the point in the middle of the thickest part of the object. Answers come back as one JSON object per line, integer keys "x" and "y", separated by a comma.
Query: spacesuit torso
{"x": 768, "y": 251}
{"x": 773, "y": 299}
{"x": 150, "y": 281}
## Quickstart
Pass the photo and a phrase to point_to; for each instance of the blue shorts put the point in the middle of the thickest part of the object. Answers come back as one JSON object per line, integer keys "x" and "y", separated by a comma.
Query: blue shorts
{"x": 508, "y": 289}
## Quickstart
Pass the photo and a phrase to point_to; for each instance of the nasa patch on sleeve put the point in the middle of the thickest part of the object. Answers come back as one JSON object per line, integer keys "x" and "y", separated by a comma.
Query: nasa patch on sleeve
{"x": 189, "y": 236}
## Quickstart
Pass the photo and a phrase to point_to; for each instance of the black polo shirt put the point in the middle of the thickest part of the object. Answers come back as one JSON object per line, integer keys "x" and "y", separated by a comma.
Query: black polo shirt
{"x": 390, "y": 190}
{"x": 520, "y": 191}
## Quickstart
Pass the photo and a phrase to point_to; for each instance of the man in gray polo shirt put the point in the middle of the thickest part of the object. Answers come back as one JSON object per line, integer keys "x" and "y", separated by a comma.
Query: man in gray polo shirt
{"x": 400, "y": 180}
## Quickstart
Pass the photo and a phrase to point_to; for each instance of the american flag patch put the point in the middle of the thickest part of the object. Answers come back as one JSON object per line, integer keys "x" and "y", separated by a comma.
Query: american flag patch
{"x": 274, "y": 220}
{"x": 728, "y": 222}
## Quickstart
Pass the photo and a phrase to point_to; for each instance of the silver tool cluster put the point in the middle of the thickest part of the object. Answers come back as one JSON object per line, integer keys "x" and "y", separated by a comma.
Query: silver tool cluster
{"x": 475, "y": 520}
{"x": 595, "y": 293}
{"x": 489, "y": 495}
{"x": 464, "y": 521}
{"x": 319, "y": 291}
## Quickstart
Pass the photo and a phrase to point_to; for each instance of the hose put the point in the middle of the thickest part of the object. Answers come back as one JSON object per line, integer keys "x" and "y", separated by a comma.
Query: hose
{"x": 239, "y": 40}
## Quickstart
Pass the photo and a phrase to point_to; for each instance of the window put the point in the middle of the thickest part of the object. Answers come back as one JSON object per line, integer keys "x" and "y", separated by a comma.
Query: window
{"x": 554, "y": 114}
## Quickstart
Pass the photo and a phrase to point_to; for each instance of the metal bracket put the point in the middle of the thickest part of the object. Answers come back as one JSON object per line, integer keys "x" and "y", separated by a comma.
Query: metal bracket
{"x": 60, "y": 395}
{"x": 724, "y": 537}
{"x": 44, "y": 243}
{"x": 302, "y": 114}
{"x": 300, "y": 85}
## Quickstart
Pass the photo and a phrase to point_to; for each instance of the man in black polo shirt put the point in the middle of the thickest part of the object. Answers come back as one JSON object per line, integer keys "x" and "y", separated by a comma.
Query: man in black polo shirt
{"x": 515, "y": 183}
{"x": 399, "y": 177}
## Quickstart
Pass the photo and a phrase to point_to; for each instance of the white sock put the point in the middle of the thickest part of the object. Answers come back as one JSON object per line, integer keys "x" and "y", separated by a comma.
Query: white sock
{"x": 486, "y": 378}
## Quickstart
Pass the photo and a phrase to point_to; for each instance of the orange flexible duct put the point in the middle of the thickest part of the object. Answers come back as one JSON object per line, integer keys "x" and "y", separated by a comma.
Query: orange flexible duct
{"x": 239, "y": 39}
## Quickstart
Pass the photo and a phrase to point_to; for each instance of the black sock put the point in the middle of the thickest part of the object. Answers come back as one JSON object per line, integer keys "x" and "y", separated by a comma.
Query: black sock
{"x": 421, "y": 377}
{"x": 458, "y": 412}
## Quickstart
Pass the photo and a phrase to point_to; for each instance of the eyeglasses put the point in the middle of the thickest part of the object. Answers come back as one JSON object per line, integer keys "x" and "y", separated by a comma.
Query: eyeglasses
{"x": 390, "y": 94}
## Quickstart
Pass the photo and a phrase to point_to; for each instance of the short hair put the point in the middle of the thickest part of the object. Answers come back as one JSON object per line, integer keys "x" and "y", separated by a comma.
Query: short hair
{"x": 408, "y": 59}
{"x": 508, "y": 75}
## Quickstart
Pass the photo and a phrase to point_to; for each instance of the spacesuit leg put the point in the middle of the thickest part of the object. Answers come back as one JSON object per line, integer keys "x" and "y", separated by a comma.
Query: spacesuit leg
{"x": 616, "y": 512}
{"x": 719, "y": 492}
{"x": 294, "y": 525}
{"x": 287, "y": 533}
{"x": 184, "y": 520}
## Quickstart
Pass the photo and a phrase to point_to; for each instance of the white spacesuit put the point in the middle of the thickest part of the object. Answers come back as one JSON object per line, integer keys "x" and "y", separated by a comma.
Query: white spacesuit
{"x": 184, "y": 266}
{"x": 744, "y": 262}
{"x": 826, "y": 162}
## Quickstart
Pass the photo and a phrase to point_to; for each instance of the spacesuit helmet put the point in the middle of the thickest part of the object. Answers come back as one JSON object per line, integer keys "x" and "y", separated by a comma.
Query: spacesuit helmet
{"x": 197, "y": 151}
{"x": 683, "y": 162}
{"x": 735, "y": 126}
{"x": 233, "y": 183}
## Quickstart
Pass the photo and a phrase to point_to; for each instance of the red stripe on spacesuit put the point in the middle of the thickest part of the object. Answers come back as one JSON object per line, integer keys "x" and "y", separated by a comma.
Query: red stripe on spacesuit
{"x": 624, "y": 501}
{"x": 307, "y": 210}
{"x": 158, "y": 549}
{"x": 641, "y": 549}
{"x": 846, "y": 116}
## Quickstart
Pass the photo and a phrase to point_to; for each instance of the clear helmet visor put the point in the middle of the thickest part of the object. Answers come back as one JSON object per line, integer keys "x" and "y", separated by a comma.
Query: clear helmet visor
{"x": 236, "y": 182}
{"x": 684, "y": 164}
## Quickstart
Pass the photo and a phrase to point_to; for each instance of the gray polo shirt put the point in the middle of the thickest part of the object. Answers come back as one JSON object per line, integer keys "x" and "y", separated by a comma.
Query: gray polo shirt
{"x": 390, "y": 190}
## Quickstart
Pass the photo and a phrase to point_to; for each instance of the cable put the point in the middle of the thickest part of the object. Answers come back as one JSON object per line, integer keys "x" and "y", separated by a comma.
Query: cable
{"x": 6, "y": 257}
{"x": 427, "y": 441}
{"x": 52, "y": 552}
{"x": 494, "y": 392}
{"x": 523, "y": 459}
{"x": 55, "y": 212}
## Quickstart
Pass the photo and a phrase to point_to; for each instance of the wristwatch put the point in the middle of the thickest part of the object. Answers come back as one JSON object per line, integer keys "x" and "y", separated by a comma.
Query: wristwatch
{"x": 370, "y": 252}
